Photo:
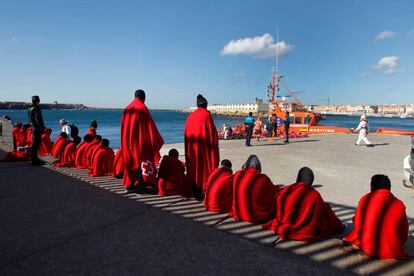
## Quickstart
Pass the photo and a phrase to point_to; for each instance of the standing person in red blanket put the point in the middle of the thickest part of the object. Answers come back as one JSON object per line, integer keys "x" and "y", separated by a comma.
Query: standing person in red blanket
{"x": 90, "y": 149}
{"x": 102, "y": 160}
{"x": 59, "y": 145}
{"x": 202, "y": 154}
{"x": 301, "y": 213}
{"x": 16, "y": 135}
{"x": 219, "y": 189}
{"x": 80, "y": 158}
{"x": 140, "y": 144}
{"x": 46, "y": 144}
{"x": 380, "y": 222}
{"x": 92, "y": 128}
{"x": 171, "y": 176}
{"x": 253, "y": 193}
{"x": 68, "y": 156}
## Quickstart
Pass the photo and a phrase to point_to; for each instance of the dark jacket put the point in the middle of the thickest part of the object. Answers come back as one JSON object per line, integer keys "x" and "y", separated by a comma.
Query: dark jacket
{"x": 35, "y": 117}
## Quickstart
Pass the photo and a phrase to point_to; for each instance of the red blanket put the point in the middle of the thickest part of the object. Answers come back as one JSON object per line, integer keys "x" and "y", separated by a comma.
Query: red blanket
{"x": 302, "y": 215}
{"x": 380, "y": 226}
{"x": 102, "y": 161}
{"x": 140, "y": 143}
{"x": 91, "y": 132}
{"x": 201, "y": 146}
{"x": 253, "y": 196}
{"x": 58, "y": 147}
{"x": 16, "y": 156}
{"x": 89, "y": 151}
{"x": 80, "y": 155}
{"x": 29, "y": 137}
{"x": 68, "y": 157}
{"x": 21, "y": 137}
{"x": 171, "y": 178}
{"x": 46, "y": 144}
{"x": 118, "y": 168}
{"x": 219, "y": 191}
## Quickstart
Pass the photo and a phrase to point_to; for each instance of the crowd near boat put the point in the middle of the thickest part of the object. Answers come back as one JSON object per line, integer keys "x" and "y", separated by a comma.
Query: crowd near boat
{"x": 294, "y": 212}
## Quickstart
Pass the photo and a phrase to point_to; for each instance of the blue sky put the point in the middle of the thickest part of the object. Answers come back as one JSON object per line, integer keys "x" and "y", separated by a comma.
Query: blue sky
{"x": 99, "y": 52}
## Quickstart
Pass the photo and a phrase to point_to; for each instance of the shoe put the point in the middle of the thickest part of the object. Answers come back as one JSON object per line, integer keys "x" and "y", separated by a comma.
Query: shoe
{"x": 370, "y": 145}
{"x": 129, "y": 191}
{"x": 249, "y": 146}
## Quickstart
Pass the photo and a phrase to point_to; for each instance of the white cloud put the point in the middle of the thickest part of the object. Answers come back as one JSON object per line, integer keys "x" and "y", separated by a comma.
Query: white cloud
{"x": 259, "y": 47}
{"x": 387, "y": 64}
{"x": 410, "y": 32}
{"x": 384, "y": 35}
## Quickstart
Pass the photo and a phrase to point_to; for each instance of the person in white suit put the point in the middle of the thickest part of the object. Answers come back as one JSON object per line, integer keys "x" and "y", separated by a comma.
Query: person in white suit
{"x": 363, "y": 132}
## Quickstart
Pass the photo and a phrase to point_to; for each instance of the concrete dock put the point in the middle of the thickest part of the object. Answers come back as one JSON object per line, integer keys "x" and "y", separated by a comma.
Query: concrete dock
{"x": 61, "y": 221}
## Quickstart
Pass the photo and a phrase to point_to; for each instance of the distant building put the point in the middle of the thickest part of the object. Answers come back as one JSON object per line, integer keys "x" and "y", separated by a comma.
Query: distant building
{"x": 258, "y": 107}
{"x": 392, "y": 109}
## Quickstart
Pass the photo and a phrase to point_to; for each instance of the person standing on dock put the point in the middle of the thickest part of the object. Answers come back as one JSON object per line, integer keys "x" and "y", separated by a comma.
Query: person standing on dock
{"x": 287, "y": 126}
{"x": 275, "y": 121}
{"x": 140, "y": 145}
{"x": 201, "y": 145}
{"x": 249, "y": 123}
{"x": 38, "y": 126}
{"x": 363, "y": 132}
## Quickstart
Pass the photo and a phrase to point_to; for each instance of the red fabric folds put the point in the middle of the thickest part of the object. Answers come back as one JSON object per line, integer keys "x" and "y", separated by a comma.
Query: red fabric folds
{"x": 118, "y": 167}
{"x": 29, "y": 137}
{"x": 59, "y": 147}
{"x": 68, "y": 157}
{"x": 201, "y": 146}
{"x": 302, "y": 215}
{"x": 16, "y": 156}
{"x": 380, "y": 226}
{"x": 219, "y": 191}
{"x": 46, "y": 144}
{"x": 21, "y": 137}
{"x": 102, "y": 161}
{"x": 89, "y": 151}
{"x": 253, "y": 196}
{"x": 140, "y": 144}
{"x": 80, "y": 158}
{"x": 91, "y": 132}
{"x": 171, "y": 178}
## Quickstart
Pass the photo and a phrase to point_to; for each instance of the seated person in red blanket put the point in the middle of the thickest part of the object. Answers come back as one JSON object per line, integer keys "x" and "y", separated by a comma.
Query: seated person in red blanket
{"x": 80, "y": 159}
{"x": 90, "y": 149}
{"x": 69, "y": 154}
{"x": 380, "y": 222}
{"x": 218, "y": 196}
{"x": 301, "y": 213}
{"x": 92, "y": 128}
{"x": 102, "y": 160}
{"x": 253, "y": 193}
{"x": 171, "y": 176}
{"x": 59, "y": 145}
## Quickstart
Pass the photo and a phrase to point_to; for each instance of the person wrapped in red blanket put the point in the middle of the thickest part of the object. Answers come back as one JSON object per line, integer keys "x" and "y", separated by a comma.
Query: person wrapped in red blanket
{"x": 201, "y": 146}
{"x": 102, "y": 160}
{"x": 380, "y": 222}
{"x": 80, "y": 159}
{"x": 68, "y": 156}
{"x": 59, "y": 145}
{"x": 46, "y": 143}
{"x": 16, "y": 136}
{"x": 92, "y": 128}
{"x": 253, "y": 193}
{"x": 90, "y": 150}
{"x": 301, "y": 213}
{"x": 219, "y": 189}
{"x": 118, "y": 168}
{"x": 171, "y": 176}
{"x": 140, "y": 145}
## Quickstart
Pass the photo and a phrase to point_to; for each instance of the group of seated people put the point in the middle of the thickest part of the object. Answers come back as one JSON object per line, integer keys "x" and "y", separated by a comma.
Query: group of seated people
{"x": 296, "y": 211}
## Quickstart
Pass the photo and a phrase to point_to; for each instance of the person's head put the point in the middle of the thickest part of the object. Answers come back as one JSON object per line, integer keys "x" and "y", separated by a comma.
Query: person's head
{"x": 250, "y": 114}
{"x": 287, "y": 113}
{"x": 226, "y": 164}
{"x": 253, "y": 162}
{"x": 26, "y": 126}
{"x": 201, "y": 101}
{"x": 380, "y": 181}
{"x": 88, "y": 138}
{"x": 63, "y": 135}
{"x": 305, "y": 175}
{"x": 140, "y": 94}
{"x": 173, "y": 153}
{"x": 363, "y": 118}
{"x": 98, "y": 138}
{"x": 19, "y": 125}
{"x": 105, "y": 142}
{"x": 48, "y": 130}
{"x": 35, "y": 100}
{"x": 76, "y": 140}
{"x": 63, "y": 122}
{"x": 94, "y": 125}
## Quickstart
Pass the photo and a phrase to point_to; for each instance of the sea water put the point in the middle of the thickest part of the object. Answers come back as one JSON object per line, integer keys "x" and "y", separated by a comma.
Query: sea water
{"x": 171, "y": 123}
